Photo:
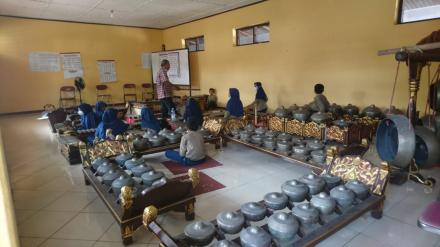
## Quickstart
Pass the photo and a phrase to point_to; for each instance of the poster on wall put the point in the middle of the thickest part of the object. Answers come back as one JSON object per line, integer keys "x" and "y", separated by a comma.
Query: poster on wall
{"x": 107, "y": 70}
{"x": 146, "y": 60}
{"x": 72, "y": 65}
{"x": 174, "y": 59}
{"x": 44, "y": 61}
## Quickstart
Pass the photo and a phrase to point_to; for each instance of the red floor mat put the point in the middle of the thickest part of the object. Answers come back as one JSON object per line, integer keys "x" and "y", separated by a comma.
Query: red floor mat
{"x": 177, "y": 168}
{"x": 207, "y": 184}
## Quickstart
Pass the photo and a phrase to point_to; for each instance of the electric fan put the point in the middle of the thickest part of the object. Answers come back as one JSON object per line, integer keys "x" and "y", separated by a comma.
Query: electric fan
{"x": 80, "y": 85}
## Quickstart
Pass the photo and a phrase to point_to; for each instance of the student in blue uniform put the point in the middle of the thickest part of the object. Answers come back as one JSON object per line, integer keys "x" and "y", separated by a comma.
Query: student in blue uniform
{"x": 88, "y": 120}
{"x": 148, "y": 120}
{"x": 88, "y": 117}
{"x": 193, "y": 112}
{"x": 110, "y": 121}
{"x": 260, "y": 98}
{"x": 99, "y": 110}
{"x": 234, "y": 107}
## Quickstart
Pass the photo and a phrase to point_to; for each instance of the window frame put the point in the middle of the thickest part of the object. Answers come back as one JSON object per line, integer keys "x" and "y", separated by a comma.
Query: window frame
{"x": 253, "y": 34}
{"x": 398, "y": 15}
{"x": 196, "y": 38}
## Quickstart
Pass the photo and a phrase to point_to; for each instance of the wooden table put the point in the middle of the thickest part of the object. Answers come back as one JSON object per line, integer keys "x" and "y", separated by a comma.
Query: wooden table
{"x": 68, "y": 146}
{"x": 176, "y": 194}
{"x": 317, "y": 168}
{"x": 347, "y": 168}
{"x": 216, "y": 140}
{"x": 305, "y": 237}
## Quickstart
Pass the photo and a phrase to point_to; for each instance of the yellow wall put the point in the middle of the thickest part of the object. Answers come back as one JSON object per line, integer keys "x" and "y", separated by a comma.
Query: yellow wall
{"x": 24, "y": 90}
{"x": 330, "y": 41}
{"x": 8, "y": 227}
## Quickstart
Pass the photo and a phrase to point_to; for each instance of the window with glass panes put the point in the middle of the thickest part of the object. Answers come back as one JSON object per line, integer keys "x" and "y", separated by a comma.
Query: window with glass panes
{"x": 253, "y": 34}
{"x": 195, "y": 44}
{"x": 417, "y": 10}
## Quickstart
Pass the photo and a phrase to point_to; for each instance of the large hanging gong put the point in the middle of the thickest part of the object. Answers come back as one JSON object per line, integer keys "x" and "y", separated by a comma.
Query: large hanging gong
{"x": 432, "y": 123}
{"x": 428, "y": 122}
{"x": 434, "y": 96}
{"x": 437, "y": 125}
{"x": 395, "y": 140}
{"x": 427, "y": 152}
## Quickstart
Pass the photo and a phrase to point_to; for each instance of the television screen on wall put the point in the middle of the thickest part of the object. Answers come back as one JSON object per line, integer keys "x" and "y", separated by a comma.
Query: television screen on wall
{"x": 417, "y": 10}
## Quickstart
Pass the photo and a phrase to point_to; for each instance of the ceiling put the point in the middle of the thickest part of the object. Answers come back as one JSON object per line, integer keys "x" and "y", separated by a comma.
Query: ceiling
{"x": 139, "y": 13}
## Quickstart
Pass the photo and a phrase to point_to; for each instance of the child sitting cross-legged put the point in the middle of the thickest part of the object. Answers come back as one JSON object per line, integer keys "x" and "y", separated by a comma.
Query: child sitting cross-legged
{"x": 192, "y": 147}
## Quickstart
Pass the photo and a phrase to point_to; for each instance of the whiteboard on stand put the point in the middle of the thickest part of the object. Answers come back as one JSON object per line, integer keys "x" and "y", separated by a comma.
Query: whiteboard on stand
{"x": 179, "y": 65}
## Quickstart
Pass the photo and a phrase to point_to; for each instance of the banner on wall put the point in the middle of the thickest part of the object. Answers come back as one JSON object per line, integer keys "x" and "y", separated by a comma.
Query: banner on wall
{"x": 146, "y": 60}
{"x": 44, "y": 61}
{"x": 72, "y": 65}
{"x": 107, "y": 70}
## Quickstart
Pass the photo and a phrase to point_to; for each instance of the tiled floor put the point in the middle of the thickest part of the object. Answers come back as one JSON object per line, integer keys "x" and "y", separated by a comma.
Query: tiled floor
{"x": 55, "y": 208}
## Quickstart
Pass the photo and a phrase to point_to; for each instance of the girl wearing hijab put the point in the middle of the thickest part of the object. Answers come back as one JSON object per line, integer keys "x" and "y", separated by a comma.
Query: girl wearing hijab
{"x": 148, "y": 120}
{"x": 88, "y": 117}
{"x": 110, "y": 121}
{"x": 234, "y": 107}
{"x": 99, "y": 110}
{"x": 260, "y": 101}
{"x": 193, "y": 112}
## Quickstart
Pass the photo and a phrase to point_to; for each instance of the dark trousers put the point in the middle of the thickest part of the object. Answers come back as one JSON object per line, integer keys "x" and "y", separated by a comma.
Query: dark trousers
{"x": 166, "y": 104}
{"x": 210, "y": 105}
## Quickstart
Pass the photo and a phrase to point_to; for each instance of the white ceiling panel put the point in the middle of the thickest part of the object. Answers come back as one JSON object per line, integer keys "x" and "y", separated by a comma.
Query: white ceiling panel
{"x": 103, "y": 17}
{"x": 129, "y": 5}
{"x": 15, "y": 4}
{"x": 139, "y": 13}
{"x": 221, "y": 2}
{"x": 64, "y": 12}
{"x": 26, "y": 8}
{"x": 86, "y": 3}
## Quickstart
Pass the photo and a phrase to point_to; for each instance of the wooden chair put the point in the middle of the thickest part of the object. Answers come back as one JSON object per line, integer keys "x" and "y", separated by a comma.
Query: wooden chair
{"x": 129, "y": 90}
{"x": 67, "y": 97}
{"x": 102, "y": 94}
{"x": 147, "y": 94}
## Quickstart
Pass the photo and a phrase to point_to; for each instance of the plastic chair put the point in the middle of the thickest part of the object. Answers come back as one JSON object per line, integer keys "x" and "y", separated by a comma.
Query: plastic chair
{"x": 429, "y": 220}
{"x": 129, "y": 90}
{"x": 102, "y": 93}
{"x": 147, "y": 94}
{"x": 67, "y": 97}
